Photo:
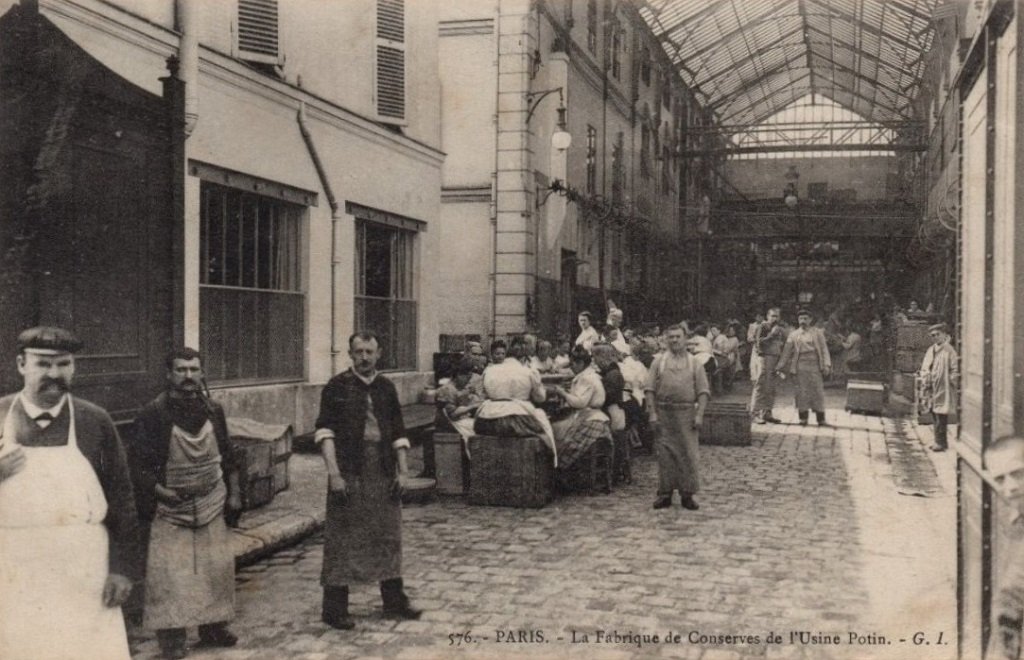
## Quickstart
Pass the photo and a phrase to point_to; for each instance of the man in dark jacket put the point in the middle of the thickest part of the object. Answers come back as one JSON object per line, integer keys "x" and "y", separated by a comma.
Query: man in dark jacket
{"x": 362, "y": 438}
{"x": 186, "y": 480}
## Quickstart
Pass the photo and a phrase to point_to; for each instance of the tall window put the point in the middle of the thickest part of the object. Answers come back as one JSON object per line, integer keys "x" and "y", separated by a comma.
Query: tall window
{"x": 645, "y": 150}
{"x": 592, "y": 25}
{"x": 618, "y": 171}
{"x": 252, "y": 307}
{"x": 617, "y": 39}
{"x": 390, "y": 60}
{"x": 385, "y": 294}
{"x": 591, "y": 160}
{"x": 645, "y": 65}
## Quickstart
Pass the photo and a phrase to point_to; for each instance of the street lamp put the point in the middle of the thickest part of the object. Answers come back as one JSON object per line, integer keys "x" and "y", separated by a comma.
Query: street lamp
{"x": 560, "y": 139}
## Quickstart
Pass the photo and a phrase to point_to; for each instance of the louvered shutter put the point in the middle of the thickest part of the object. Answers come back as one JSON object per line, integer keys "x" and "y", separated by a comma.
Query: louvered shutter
{"x": 257, "y": 31}
{"x": 390, "y": 61}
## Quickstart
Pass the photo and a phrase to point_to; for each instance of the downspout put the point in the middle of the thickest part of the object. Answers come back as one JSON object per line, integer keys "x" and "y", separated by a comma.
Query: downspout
{"x": 188, "y": 56}
{"x": 494, "y": 177}
{"x": 332, "y": 201}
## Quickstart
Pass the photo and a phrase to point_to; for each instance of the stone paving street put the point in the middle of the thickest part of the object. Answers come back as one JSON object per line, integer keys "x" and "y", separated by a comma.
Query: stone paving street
{"x": 846, "y": 530}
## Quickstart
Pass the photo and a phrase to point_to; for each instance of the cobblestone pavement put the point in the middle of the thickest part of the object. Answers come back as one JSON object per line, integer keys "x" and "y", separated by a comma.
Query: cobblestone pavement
{"x": 806, "y": 530}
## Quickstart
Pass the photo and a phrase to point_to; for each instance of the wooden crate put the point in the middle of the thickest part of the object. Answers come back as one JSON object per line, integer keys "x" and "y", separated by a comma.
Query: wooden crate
{"x": 277, "y": 436}
{"x": 255, "y": 472}
{"x": 452, "y": 468}
{"x": 726, "y": 424}
{"x": 510, "y": 471}
{"x": 865, "y": 396}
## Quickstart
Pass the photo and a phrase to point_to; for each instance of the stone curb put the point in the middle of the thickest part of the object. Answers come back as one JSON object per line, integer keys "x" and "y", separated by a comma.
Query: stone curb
{"x": 252, "y": 545}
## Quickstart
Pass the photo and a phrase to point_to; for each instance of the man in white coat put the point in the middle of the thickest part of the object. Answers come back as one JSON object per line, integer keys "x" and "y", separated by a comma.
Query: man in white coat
{"x": 940, "y": 375}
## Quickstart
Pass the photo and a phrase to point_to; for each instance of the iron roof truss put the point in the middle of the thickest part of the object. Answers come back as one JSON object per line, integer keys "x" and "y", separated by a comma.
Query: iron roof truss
{"x": 741, "y": 56}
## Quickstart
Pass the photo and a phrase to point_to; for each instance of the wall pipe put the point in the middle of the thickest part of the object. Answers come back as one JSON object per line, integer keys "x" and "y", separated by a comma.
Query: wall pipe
{"x": 332, "y": 201}
{"x": 188, "y": 57}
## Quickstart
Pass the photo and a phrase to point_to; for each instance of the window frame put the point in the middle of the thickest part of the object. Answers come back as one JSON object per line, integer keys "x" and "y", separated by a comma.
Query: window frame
{"x": 239, "y": 190}
{"x": 258, "y": 57}
{"x": 380, "y": 42}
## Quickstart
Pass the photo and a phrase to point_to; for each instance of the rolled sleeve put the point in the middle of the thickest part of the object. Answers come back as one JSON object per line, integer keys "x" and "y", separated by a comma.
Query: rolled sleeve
{"x": 323, "y": 434}
{"x": 401, "y": 443}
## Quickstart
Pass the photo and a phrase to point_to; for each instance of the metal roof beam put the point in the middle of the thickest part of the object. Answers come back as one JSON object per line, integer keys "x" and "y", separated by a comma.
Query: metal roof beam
{"x": 749, "y": 84}
{"x": 874, "y": 82}
{"x": 722, "y": 40}
{"x": 783, "y": 148}
{"x": 760, "y": 52}
{"x": 850, "y": 47}
{"x": 685, "y": 22}
{"x": 871, "y": 102}
{"x": 867, "y": 27}
{"x": 910, "y": 11}
{"x": 802, "y": 10}
{"x": 795, "y": 94}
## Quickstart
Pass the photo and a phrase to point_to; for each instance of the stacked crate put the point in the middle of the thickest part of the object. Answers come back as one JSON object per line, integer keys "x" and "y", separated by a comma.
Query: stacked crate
{"x": 263, "y": 452}
{"x": 912, "y": 342}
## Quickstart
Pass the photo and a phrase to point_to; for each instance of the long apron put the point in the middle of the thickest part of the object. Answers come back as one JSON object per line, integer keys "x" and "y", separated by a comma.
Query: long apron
{"x": 810, "y": 386}
{"x": 677, "y": 449}
{"x": 676, "y": 446}
{"x": 190, "y": 567}
{"x": 363, "y": 535}
{"x": 54, "y": 558}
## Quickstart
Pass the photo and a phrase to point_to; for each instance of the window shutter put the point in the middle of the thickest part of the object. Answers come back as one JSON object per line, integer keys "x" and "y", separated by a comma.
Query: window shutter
{"x": 390, "y": 60}
{"x": 258, "y": 31}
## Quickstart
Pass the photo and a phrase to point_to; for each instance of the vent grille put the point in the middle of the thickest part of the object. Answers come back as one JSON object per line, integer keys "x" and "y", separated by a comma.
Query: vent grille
{"x": 391, "y": 20}
{"x": 257, "y": 27}
{"x": 390, "y": 82}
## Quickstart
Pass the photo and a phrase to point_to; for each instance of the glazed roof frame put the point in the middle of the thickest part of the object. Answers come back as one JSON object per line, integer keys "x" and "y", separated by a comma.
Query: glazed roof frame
{"x": 739, "y": 57}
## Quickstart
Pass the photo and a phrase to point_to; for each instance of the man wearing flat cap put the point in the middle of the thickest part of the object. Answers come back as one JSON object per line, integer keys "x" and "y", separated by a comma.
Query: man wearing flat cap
{"x": 940, "y": 375}
{"x": 67, "y": 515}
{"x": 806, "y": 356}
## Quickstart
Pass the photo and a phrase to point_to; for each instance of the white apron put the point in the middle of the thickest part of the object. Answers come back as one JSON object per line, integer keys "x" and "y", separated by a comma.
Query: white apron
{"x": 54, "y": 558}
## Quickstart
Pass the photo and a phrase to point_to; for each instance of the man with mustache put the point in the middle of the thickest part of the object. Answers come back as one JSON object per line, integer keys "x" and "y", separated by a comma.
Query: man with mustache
{"x": 806, "y": 356}
{"x": 186, "y": 481}
{"x": 67, "y": 516}
{"x": 362, "y": 438}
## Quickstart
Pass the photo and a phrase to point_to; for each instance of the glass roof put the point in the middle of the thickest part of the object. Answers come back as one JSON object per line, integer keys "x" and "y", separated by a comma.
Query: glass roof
{"x": 748, "y": 59}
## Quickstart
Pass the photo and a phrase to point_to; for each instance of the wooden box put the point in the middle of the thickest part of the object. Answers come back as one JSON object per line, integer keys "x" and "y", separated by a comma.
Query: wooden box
{"x": 865, "y": 396}
{"x": 726, "y": 424}
{"x": 912, "y": 336}
{"x": 510, "y": 471}
{"x": 267, "y": 448}
{"x": 452, "y": 466}
{"x": 255, "y": 472}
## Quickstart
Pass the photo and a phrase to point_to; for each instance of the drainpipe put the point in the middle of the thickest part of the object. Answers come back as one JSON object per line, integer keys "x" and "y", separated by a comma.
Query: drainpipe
{"x": 332, "y": 201}
{"x": 188, "y": 55}
{"x": 494, "y": 176}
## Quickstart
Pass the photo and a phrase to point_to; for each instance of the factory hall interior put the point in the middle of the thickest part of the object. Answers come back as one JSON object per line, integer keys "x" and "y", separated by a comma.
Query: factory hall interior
{"x": 511, "y": 328}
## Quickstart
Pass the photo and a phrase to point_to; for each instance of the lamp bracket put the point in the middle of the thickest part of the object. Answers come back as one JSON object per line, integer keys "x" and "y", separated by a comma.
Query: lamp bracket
{"x": 541, "y": 94}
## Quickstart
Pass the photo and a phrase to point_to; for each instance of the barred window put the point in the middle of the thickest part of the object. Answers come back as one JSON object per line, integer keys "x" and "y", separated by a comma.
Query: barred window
{"x": 252, "y": 306}
{"x": 385, "y": 298}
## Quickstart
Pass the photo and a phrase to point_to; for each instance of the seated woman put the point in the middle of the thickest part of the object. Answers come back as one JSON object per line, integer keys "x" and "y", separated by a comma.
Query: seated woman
{"x": 561, "y": 360}
{"x": 586, "y": 423}
{"x": 456, "y": 402}
{"x": 542, "y": 361}
{"x": 512, "y": 389}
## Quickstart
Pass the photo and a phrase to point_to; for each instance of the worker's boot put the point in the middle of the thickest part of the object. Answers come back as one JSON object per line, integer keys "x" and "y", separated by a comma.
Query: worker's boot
{"x": 172, "y": 643}
{"x": 396, "y": 603}
{"x": 821, "y": 418}
{"x": 335, "y": 608}
{"x": 803, "y": 417}
{"x": 217, "y": 634}
{"x": 770, "y": 418}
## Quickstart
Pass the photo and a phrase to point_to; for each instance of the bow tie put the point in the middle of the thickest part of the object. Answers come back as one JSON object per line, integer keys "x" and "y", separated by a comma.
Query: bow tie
{"x": 44, "y": 417}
